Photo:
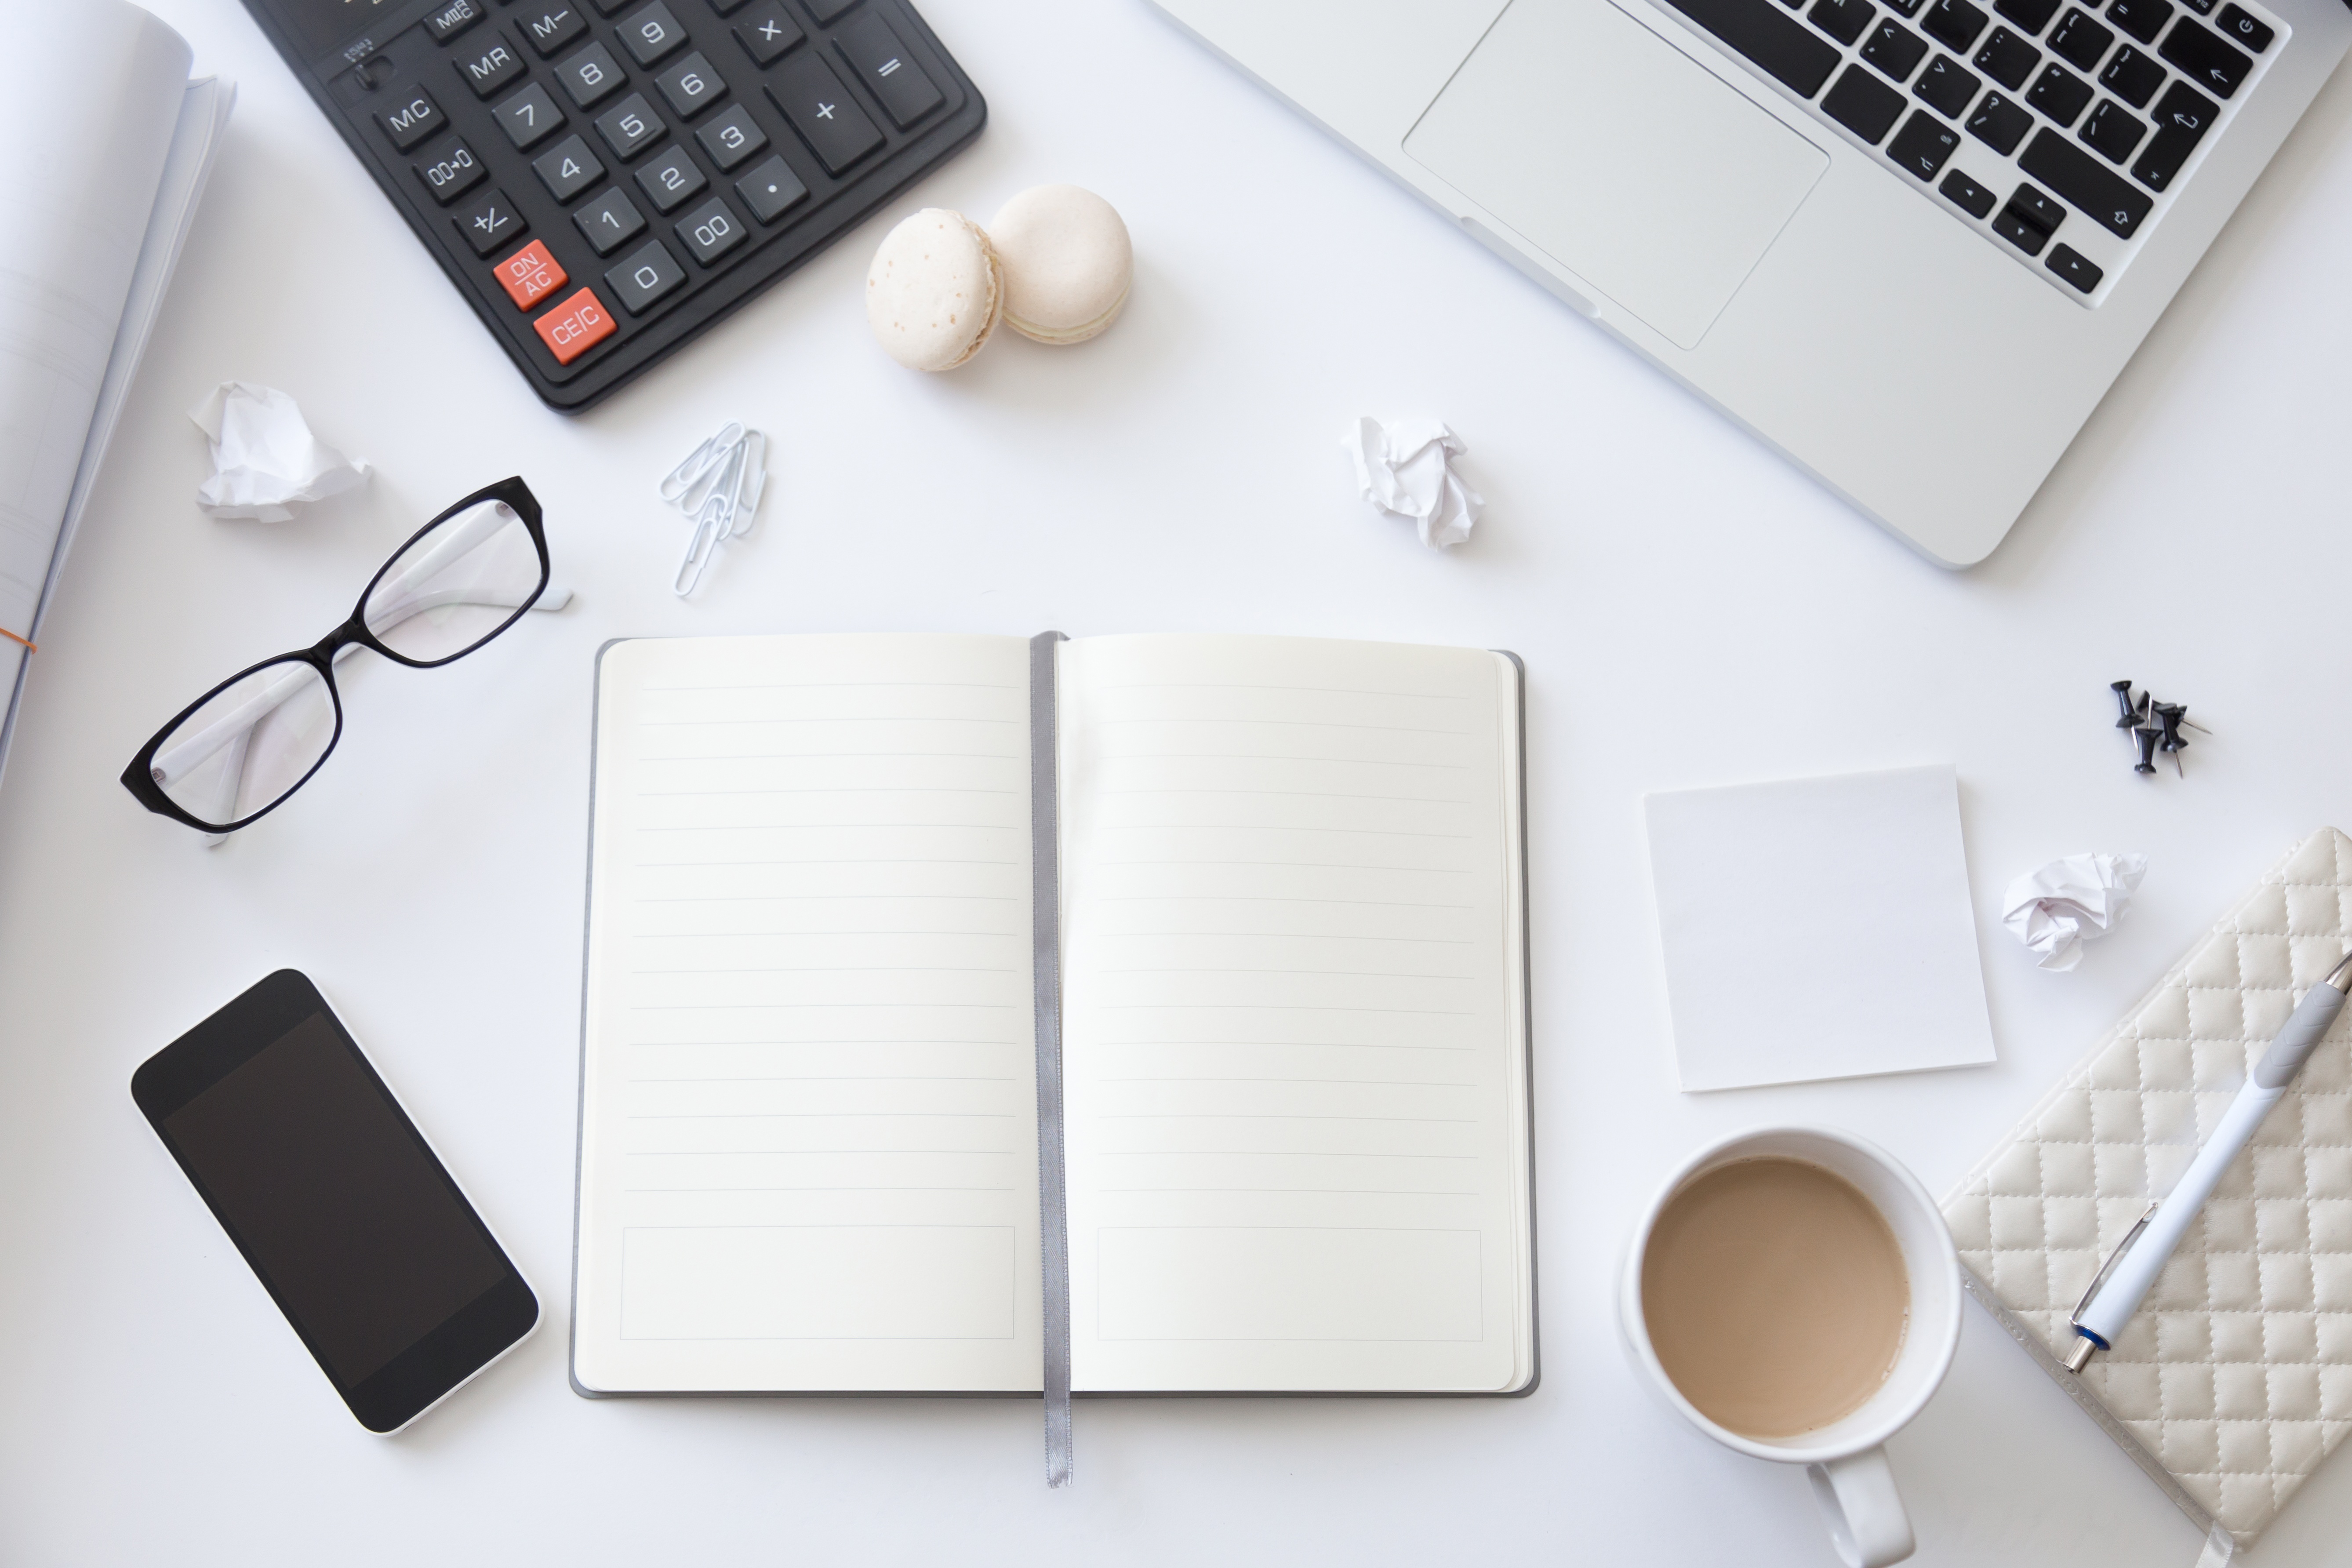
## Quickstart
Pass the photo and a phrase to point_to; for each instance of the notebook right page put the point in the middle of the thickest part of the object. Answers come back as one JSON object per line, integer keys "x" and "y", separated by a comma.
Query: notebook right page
{"x": 1293, "y": 1016}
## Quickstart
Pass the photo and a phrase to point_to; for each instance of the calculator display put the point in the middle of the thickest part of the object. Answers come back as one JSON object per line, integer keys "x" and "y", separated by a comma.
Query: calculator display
{"x": 321, "y": 24}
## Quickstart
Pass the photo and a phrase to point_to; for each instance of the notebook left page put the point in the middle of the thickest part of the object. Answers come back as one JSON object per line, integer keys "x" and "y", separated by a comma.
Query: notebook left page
{"x": 808, "y": 1141}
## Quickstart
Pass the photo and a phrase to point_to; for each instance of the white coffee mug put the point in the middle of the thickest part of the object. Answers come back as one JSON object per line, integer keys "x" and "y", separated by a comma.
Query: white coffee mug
{"x": 1846, "y": 1460}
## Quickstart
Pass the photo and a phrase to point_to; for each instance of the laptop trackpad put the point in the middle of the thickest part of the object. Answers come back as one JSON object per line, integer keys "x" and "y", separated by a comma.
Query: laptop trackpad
{"x": 1619, "y": 156}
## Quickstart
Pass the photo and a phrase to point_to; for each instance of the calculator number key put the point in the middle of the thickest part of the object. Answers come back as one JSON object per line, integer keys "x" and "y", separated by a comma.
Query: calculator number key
{"x": 820, "y": 109}
{"x": 530, "y": 117}
{"x": 651, "y": 33}
{"x": 766, "y": 32}
{"x": 710, "y": 231}
{"x": 873, "y": 51}
{"x": 692, "y": 86}
{"x": 416, "y": 118}
{"x": 530, "y": 275}
{"x": 575, "y": 326}
{"x": 551, "y": 27}
{"x": 670, "y": 180}
{"x": 772, "y": 190}
{"x": 644, "y": 277}
{"x": 592, "y": 76}
{"x": 609, "y": 221}
{"x": 450, "y": 170}
{"x": 631, "y": 128}
{"x": 491, "y": 69}
{"x": 732, "y": 137}
{"x": 489, "y": 223}
{"x": 569, "y": 170}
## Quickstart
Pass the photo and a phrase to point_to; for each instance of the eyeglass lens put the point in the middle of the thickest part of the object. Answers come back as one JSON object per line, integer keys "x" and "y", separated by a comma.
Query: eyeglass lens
{"x": 249, "y": 744}
{"x": 454, "y": 587}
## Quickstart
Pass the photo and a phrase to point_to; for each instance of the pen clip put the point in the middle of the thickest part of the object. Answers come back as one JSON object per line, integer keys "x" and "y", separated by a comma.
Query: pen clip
{"x": 2074, "y": 1319}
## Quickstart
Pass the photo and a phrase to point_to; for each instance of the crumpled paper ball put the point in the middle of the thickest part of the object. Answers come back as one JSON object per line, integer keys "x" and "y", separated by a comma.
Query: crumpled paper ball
{"x": 265, "y": 459}
{"x": 1405, "y": 467}
{"x": 2054, "y": 909}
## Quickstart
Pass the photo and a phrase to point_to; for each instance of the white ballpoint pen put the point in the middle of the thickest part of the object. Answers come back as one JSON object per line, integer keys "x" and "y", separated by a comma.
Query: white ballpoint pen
{"x": 2125, "y": 1279}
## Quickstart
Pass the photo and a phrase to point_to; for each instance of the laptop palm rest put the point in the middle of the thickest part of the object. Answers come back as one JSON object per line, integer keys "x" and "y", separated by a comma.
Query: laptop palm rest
{"x": 1619, "y": 156}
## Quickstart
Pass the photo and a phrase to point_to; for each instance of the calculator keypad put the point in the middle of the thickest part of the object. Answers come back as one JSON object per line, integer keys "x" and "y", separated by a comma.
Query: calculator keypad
{"x": 694, "y": 146}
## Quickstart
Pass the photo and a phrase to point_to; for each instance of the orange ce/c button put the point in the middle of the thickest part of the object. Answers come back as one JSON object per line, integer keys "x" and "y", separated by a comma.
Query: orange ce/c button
{"x": 530, "y": 275}
{"x": 575, "y": 326}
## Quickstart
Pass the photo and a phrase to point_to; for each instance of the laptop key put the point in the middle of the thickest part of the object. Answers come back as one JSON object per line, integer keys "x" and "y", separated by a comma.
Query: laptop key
{"x": 2000, "y": 124}
{"x": 1845, "y": 20}
{"x": 1954, "y": 24}
{"x": 1966, "y": 194}
{"x": 1768, "y": 37}
{"x": 2215, "y": 67}
{"x": 2031, "y": 15}
{"x": 2060, "y": 94}
{"x": 1924, "y": 145}
{"x": 2132, "y": 77}
{"x": 2112, "y": 131}
{"x": 2141, "y": 19}
{"x": 2236, "y": 24}
{"x": 1864, "y": 105}
{"x": 1946, "y": 86}
{"x": 2008, "y": 59}
{"x": 2079, "y": 41}
{"x": 2083, "y": 183}
{"x": 2075, "y": 267}
{"x": 1895, "y": 49}
{"x": 2183, "y": 115}
{"x": 2029, "y": 220}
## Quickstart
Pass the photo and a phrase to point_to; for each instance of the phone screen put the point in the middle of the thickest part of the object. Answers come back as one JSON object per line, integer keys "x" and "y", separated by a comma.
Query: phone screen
{"x": 333, "y": 1197}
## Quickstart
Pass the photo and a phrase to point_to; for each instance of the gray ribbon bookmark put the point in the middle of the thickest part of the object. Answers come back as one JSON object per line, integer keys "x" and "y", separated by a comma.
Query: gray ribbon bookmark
{"x": 1045, "y": 928}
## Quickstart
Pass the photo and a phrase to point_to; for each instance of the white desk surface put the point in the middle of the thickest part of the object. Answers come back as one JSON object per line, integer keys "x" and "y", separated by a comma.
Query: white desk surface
{"x": 1692, "y": 611}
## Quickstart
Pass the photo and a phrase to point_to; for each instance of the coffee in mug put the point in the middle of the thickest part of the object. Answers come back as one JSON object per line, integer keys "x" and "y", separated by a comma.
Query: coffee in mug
{"x": 1776, "y": 1296}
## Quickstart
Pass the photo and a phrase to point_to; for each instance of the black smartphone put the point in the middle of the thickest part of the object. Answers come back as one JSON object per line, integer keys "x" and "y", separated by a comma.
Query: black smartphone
{"x": 355, "y": 1227}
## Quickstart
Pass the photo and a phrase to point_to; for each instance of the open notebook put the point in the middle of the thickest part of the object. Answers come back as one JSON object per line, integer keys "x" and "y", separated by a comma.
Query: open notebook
{"x": 1285, "y": 954}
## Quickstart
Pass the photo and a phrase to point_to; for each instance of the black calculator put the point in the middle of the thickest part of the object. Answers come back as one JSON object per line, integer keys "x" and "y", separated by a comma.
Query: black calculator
{"x": 603, "y": 179}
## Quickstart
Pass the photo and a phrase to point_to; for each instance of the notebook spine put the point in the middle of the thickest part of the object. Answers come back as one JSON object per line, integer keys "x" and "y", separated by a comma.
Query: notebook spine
{"x": 1045, "y": 928}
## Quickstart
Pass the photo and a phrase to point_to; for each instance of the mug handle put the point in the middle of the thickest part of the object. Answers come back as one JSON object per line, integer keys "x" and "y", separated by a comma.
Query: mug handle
{"x": 1867, "y": 1524}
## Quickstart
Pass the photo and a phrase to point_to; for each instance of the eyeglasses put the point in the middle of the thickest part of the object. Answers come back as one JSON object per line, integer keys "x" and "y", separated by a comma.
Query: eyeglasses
{"x": 236, "y": 753}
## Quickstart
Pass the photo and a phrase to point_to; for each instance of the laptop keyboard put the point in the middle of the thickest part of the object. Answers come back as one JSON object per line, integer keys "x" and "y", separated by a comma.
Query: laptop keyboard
{"x": 2061, "y": 131}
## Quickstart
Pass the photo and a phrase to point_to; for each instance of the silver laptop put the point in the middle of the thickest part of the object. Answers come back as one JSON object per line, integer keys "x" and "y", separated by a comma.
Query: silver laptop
{"x": 1908, "y": 242}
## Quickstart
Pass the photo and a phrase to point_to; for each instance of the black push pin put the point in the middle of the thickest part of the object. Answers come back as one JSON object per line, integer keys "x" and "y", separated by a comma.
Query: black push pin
{"x": 2134, "y": 713}
{"x": 2147, "y": 738}
{"x": 2172, "y": 715}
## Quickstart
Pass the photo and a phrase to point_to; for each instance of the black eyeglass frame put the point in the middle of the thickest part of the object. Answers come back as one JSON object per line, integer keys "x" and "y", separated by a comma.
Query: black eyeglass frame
{"x": 138, "y": 778}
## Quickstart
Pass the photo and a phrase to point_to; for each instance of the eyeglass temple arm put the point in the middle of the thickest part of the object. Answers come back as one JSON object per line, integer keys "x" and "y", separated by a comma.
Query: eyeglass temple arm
{"x": 176, "y": 761}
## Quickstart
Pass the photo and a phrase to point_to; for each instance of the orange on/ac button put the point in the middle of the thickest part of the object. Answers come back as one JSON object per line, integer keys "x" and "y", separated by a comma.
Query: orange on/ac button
{"x": 530, "y": 275}
{"x": 575, "y": 326}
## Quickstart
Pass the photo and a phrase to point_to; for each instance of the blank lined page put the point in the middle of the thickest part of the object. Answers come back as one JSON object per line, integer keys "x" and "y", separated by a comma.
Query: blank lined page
{"x": 1294, "y": 1032}
{"x": 808, "y": 1139}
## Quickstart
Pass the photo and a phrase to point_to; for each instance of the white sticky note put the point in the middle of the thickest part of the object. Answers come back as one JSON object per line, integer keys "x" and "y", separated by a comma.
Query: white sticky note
{"x": 1818, "y": 928}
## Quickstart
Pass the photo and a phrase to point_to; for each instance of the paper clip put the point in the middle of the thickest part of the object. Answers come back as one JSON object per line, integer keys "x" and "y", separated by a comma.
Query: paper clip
{"x": 703, "y": 461}
{"x": 718, "y": 489}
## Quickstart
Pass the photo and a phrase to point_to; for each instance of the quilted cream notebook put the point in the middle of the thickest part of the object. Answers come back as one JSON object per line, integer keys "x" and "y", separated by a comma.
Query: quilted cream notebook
{"x": 2235, "y": 1379}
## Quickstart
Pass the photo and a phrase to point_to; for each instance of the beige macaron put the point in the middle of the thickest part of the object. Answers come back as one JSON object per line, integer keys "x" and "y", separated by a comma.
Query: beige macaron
{"x": 935, "y": 291}
{"x": 1067, "y": 263}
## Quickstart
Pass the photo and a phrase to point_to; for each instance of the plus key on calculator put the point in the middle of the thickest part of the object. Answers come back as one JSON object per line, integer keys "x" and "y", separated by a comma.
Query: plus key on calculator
{"x": 605, "y": 179}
